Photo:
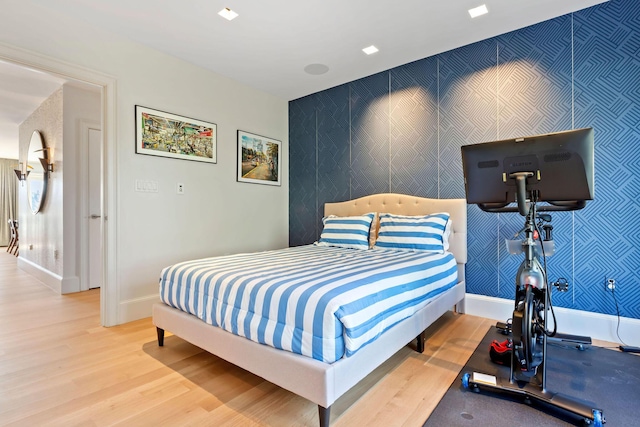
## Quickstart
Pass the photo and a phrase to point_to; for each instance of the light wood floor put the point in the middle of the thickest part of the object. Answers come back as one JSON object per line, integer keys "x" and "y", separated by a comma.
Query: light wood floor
{"x": 58, "y": 366}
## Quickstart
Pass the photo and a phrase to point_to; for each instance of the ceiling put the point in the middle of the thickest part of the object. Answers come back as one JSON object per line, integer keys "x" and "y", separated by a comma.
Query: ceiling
{"x": 21, "y": 91}
{"x": 271, "y": 42}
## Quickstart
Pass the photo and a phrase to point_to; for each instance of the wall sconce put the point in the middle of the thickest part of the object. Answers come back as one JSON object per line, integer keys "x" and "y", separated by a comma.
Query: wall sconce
{"x": 44, "y": 161}
{"x": 21, "y": 174}
{"x": 46, "y": 165}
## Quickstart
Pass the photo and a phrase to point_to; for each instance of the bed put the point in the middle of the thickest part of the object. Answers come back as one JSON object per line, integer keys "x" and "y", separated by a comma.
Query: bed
{"x": 296, "y": 364}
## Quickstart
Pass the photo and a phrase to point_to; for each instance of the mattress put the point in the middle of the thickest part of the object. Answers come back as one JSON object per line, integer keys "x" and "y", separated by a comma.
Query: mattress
{"x": 321, "y": 302}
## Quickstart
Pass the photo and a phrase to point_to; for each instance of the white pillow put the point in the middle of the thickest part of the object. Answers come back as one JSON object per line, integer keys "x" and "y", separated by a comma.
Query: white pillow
{"x": 428, "y": 233}
{"x": 346, "y": 232}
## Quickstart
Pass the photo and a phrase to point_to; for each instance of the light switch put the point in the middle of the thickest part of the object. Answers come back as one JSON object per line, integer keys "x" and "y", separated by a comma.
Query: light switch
{"x": 146, "y": 186}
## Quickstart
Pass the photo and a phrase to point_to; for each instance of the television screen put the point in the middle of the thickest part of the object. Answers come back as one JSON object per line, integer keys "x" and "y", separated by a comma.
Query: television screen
{"x": 558, "y": 168}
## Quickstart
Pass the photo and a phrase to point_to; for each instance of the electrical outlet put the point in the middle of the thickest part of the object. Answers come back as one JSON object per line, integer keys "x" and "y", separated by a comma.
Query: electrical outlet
{"x": 611, "y": 284}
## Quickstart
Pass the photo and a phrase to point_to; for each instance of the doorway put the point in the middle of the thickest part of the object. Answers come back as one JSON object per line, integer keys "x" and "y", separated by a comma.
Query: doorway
{"x": 107, "y": 85}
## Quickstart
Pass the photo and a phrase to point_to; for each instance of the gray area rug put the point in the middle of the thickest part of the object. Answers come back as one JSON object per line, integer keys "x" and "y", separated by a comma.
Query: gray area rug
{"x": 607, "y": 379}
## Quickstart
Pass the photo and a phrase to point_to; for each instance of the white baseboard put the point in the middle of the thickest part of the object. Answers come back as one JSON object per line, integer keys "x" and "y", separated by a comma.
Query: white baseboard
{"x": 61, "y": 285}
{"x": 50, "y": 280}
{"x": 70, "y": 285}
{"x": 574, "y": 322}
{"x": 137, "y": 308}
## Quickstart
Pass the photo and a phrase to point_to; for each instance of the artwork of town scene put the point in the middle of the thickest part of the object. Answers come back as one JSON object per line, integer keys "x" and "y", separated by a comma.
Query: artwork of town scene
{"x": 169, "y": 135}
{"x": 258, "y": 159}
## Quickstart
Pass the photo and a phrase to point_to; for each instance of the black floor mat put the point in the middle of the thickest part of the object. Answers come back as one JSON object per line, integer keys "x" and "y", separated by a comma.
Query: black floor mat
{"x": 609, "y": 380}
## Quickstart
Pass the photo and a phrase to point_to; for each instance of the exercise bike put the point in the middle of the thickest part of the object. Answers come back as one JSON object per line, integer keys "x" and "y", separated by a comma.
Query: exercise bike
{"x": 532, "y": 306}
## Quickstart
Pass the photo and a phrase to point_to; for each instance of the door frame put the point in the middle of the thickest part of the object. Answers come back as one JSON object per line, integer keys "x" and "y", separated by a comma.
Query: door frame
{"x": 109, "y": 306}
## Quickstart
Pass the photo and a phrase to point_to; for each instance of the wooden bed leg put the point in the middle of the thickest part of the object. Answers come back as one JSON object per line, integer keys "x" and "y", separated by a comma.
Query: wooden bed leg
{"x": 160, "y": 336}
{"x": 325, "y": 415}
{"x": 420, "y": 343}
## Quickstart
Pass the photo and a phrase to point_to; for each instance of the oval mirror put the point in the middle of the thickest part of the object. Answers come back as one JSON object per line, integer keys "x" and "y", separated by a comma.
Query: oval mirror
{"x": 37, "y": 177}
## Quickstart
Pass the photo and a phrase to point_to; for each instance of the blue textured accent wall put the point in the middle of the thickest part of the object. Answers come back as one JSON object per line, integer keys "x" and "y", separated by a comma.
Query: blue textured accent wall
{"x": 401, "y": 131}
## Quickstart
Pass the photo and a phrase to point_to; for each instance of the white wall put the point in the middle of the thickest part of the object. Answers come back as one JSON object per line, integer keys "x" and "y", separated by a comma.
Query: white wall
{"x": 41, "y": 234}
{"x": 216, "y": 215}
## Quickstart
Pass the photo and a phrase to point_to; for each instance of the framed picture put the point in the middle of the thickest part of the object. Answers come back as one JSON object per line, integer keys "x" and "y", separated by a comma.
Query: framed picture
{"x": 258, "y": 159}
{"x": 168, "y": 135}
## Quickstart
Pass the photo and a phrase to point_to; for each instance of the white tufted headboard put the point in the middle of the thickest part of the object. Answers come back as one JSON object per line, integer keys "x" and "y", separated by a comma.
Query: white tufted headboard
{"x": 401, "y": 204}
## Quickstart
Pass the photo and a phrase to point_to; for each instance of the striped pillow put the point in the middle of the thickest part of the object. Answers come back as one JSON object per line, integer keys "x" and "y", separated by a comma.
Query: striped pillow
{"x": 346, "y": 232}
{"x": 414, "y": 233}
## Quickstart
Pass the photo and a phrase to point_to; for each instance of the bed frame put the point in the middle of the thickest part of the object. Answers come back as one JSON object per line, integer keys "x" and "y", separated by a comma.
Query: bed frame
{"x": 320, "y": 382}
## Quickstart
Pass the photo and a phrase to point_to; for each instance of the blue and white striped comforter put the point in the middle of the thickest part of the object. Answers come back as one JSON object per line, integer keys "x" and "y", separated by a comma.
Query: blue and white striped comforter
{"x": 321, "y": 302}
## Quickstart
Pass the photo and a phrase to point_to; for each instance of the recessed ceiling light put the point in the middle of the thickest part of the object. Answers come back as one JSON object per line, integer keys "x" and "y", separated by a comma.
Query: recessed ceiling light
{"x": 477, "y": 11}
{"x": 227, "y": 13}
{"x": 370, "y": 50}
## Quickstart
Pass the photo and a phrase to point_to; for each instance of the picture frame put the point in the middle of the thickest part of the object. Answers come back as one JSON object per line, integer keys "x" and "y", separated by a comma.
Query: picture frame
{"x": 259, "y": 159}
{"x": 163, "y": 134}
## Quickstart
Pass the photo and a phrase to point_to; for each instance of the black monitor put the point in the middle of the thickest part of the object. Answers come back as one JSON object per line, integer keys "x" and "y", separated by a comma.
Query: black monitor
{"x": 556, "y": 168}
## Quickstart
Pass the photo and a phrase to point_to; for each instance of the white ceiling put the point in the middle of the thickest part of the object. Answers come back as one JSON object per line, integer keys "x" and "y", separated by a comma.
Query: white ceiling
{"x": 269, "y": 45}
{"x": 271, "y": 42}
{"x": 21, "y": 91}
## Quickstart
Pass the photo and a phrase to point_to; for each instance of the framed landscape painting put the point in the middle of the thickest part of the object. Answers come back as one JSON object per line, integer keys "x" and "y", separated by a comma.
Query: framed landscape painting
{"x": 258, "y": 159}
{"x": 168, "y": 135}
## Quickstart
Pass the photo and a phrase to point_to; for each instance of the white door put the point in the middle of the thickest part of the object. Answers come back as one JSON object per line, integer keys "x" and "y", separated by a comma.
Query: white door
{"x": 95, "y": 210}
